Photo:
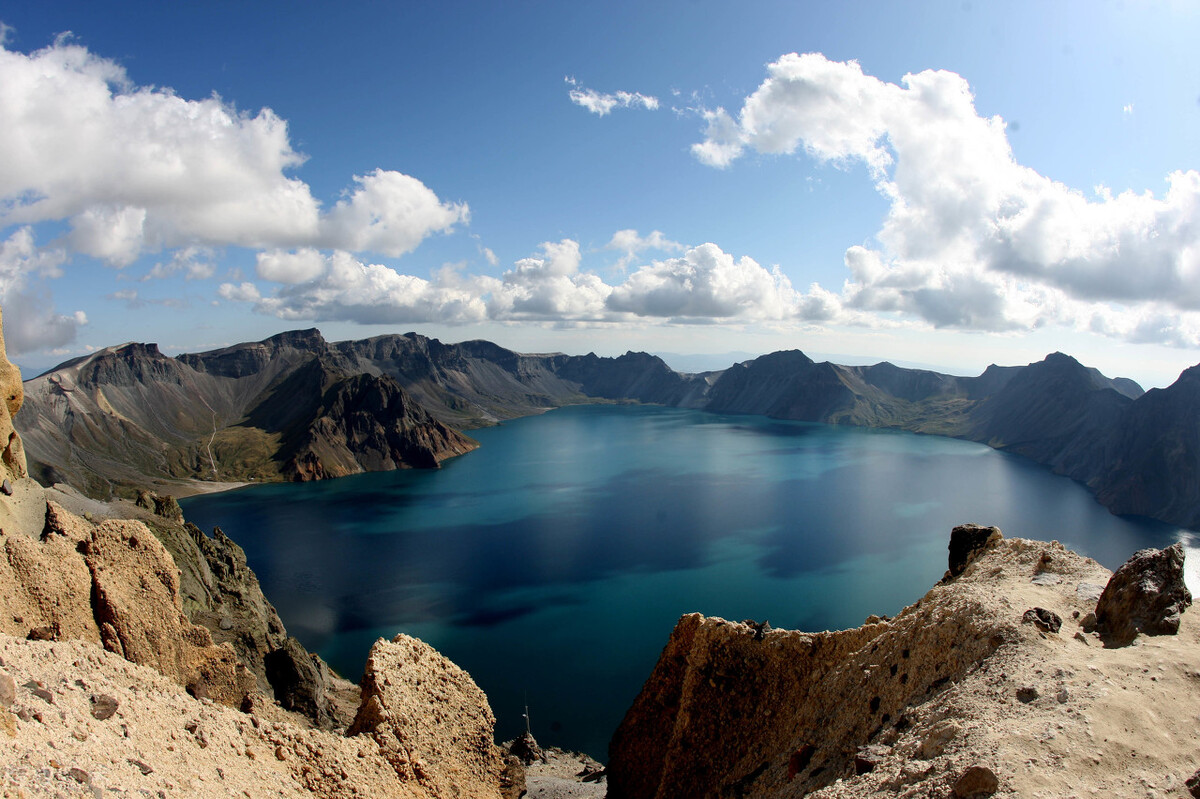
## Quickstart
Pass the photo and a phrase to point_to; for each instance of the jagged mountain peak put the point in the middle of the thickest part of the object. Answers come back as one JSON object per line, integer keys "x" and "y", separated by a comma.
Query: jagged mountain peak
{"x": 1189, "y": 375}
{"x": 240, "y": 402}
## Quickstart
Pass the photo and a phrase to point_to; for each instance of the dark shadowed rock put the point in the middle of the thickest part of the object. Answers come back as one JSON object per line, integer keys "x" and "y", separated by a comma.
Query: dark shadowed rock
{"x": 104, "y": 706}
{"x": 1146, "y": 595}
{"x": 868, "y": 757}
{"x": 526, "y": 748}
{"x": 1045, "y": 620}
{"x": 967, "y": 541}
{"x": 1193, "y": 785}
{"x": 300, "y": 681}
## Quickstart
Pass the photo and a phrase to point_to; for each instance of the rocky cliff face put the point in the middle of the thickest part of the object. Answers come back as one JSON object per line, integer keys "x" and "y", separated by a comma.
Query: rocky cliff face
{"x": 96, "y": 653}
{"x": 129, "y": 417}
{"x": 219, "y": 592}
{"x": 113, "y": 584}
{"x": 478, "y": 382}
{"x": 368, "y": 423}
{"x": 987, "y": 685}
{"x": 1152, "y": 463}
{"x": 1139, "y": 452}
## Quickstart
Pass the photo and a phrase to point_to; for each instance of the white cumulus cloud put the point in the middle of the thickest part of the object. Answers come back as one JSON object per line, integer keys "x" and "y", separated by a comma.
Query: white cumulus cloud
{"x": 706, "y": 283}
{"x": 549, "y": 286}
{"x": 239, "y": 292}
{"x": 703, "y": 285}
{"x": 632, "y": 244}
{"x": 349, "y": 290}
{"x": 972, "y": 239}
{"x": 281, "y": 266}
{"x": 136, "y": 168}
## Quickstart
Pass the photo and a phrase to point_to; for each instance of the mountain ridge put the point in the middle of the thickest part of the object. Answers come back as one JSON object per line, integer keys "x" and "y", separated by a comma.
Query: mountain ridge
{"x": 261, "y": 410}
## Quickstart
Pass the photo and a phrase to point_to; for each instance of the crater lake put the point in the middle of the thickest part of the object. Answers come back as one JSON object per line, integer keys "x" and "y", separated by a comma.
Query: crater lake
{"x": 553, "y": 562}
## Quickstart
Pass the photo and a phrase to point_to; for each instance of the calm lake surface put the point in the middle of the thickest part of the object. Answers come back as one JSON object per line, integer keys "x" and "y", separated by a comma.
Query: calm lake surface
{"x": 553, "y": 562}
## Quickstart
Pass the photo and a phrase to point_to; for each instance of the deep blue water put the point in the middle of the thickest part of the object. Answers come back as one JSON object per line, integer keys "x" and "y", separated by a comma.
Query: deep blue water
{"x": 553, "y": 562}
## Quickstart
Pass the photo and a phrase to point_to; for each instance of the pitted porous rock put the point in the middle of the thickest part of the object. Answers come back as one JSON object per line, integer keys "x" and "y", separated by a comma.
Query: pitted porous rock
{"x": 429, "y": 719}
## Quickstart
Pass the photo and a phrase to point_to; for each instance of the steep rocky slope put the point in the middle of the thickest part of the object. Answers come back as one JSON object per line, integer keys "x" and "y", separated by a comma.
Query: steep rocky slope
{"x": 219, "y": 592}
{"x": 1152, "y": 464}
{"x": 129, "y": 417}
{"x": 988, "y": 683}
{"x": 107, "y": 686}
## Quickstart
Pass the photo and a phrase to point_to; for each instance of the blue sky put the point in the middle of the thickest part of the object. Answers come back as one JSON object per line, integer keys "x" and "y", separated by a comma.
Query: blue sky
{"x": 952, "y": 184}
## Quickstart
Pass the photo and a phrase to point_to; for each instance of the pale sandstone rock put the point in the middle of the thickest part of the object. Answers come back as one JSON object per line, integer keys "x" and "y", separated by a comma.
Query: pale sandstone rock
{"x": 113, "y": 584}
{"x": 725, "y": 715}
{"x": 430, "y": 720}
{"x": 161, "y": 741}
{"x": 12, "y": 451}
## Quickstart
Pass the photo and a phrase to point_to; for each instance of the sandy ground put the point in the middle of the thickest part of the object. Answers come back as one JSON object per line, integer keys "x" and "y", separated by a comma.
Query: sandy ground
{"x": 561, "y": 777}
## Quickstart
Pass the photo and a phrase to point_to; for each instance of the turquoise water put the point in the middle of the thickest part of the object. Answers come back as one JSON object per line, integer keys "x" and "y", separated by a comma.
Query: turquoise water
{"x": 553, "y": 562}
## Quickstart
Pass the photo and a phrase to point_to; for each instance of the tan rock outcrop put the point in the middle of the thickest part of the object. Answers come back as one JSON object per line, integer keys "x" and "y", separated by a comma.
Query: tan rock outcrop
{"x": 158, "y": 741}
{"x": 954, "y": 687}
{"x": 113, "y": 584}
{"x": 430, "y": 720}
{"x": 12, "y": 456}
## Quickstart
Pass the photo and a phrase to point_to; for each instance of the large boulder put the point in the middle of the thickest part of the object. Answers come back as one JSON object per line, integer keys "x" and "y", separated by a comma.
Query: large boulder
{"x": 967, "y": 541}
{"x": 1146, "y": 595}
{"x": 299, "y": 680}
{"x": 430, "y": 720}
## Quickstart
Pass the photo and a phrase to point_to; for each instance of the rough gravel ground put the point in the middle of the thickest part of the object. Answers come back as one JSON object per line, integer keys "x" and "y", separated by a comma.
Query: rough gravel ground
{"x": 158, "y": 742}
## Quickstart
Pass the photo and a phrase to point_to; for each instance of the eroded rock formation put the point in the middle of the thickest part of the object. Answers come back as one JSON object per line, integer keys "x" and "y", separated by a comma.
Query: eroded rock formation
{"x": 955, "y": 696}
{"x": 113, "y": 584}
{"x": 429, "y": 719}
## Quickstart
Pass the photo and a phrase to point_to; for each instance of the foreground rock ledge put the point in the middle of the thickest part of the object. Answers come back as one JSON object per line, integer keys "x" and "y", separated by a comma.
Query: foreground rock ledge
{"x": 429, "y": 719}
{"x": 929, "y": 703}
